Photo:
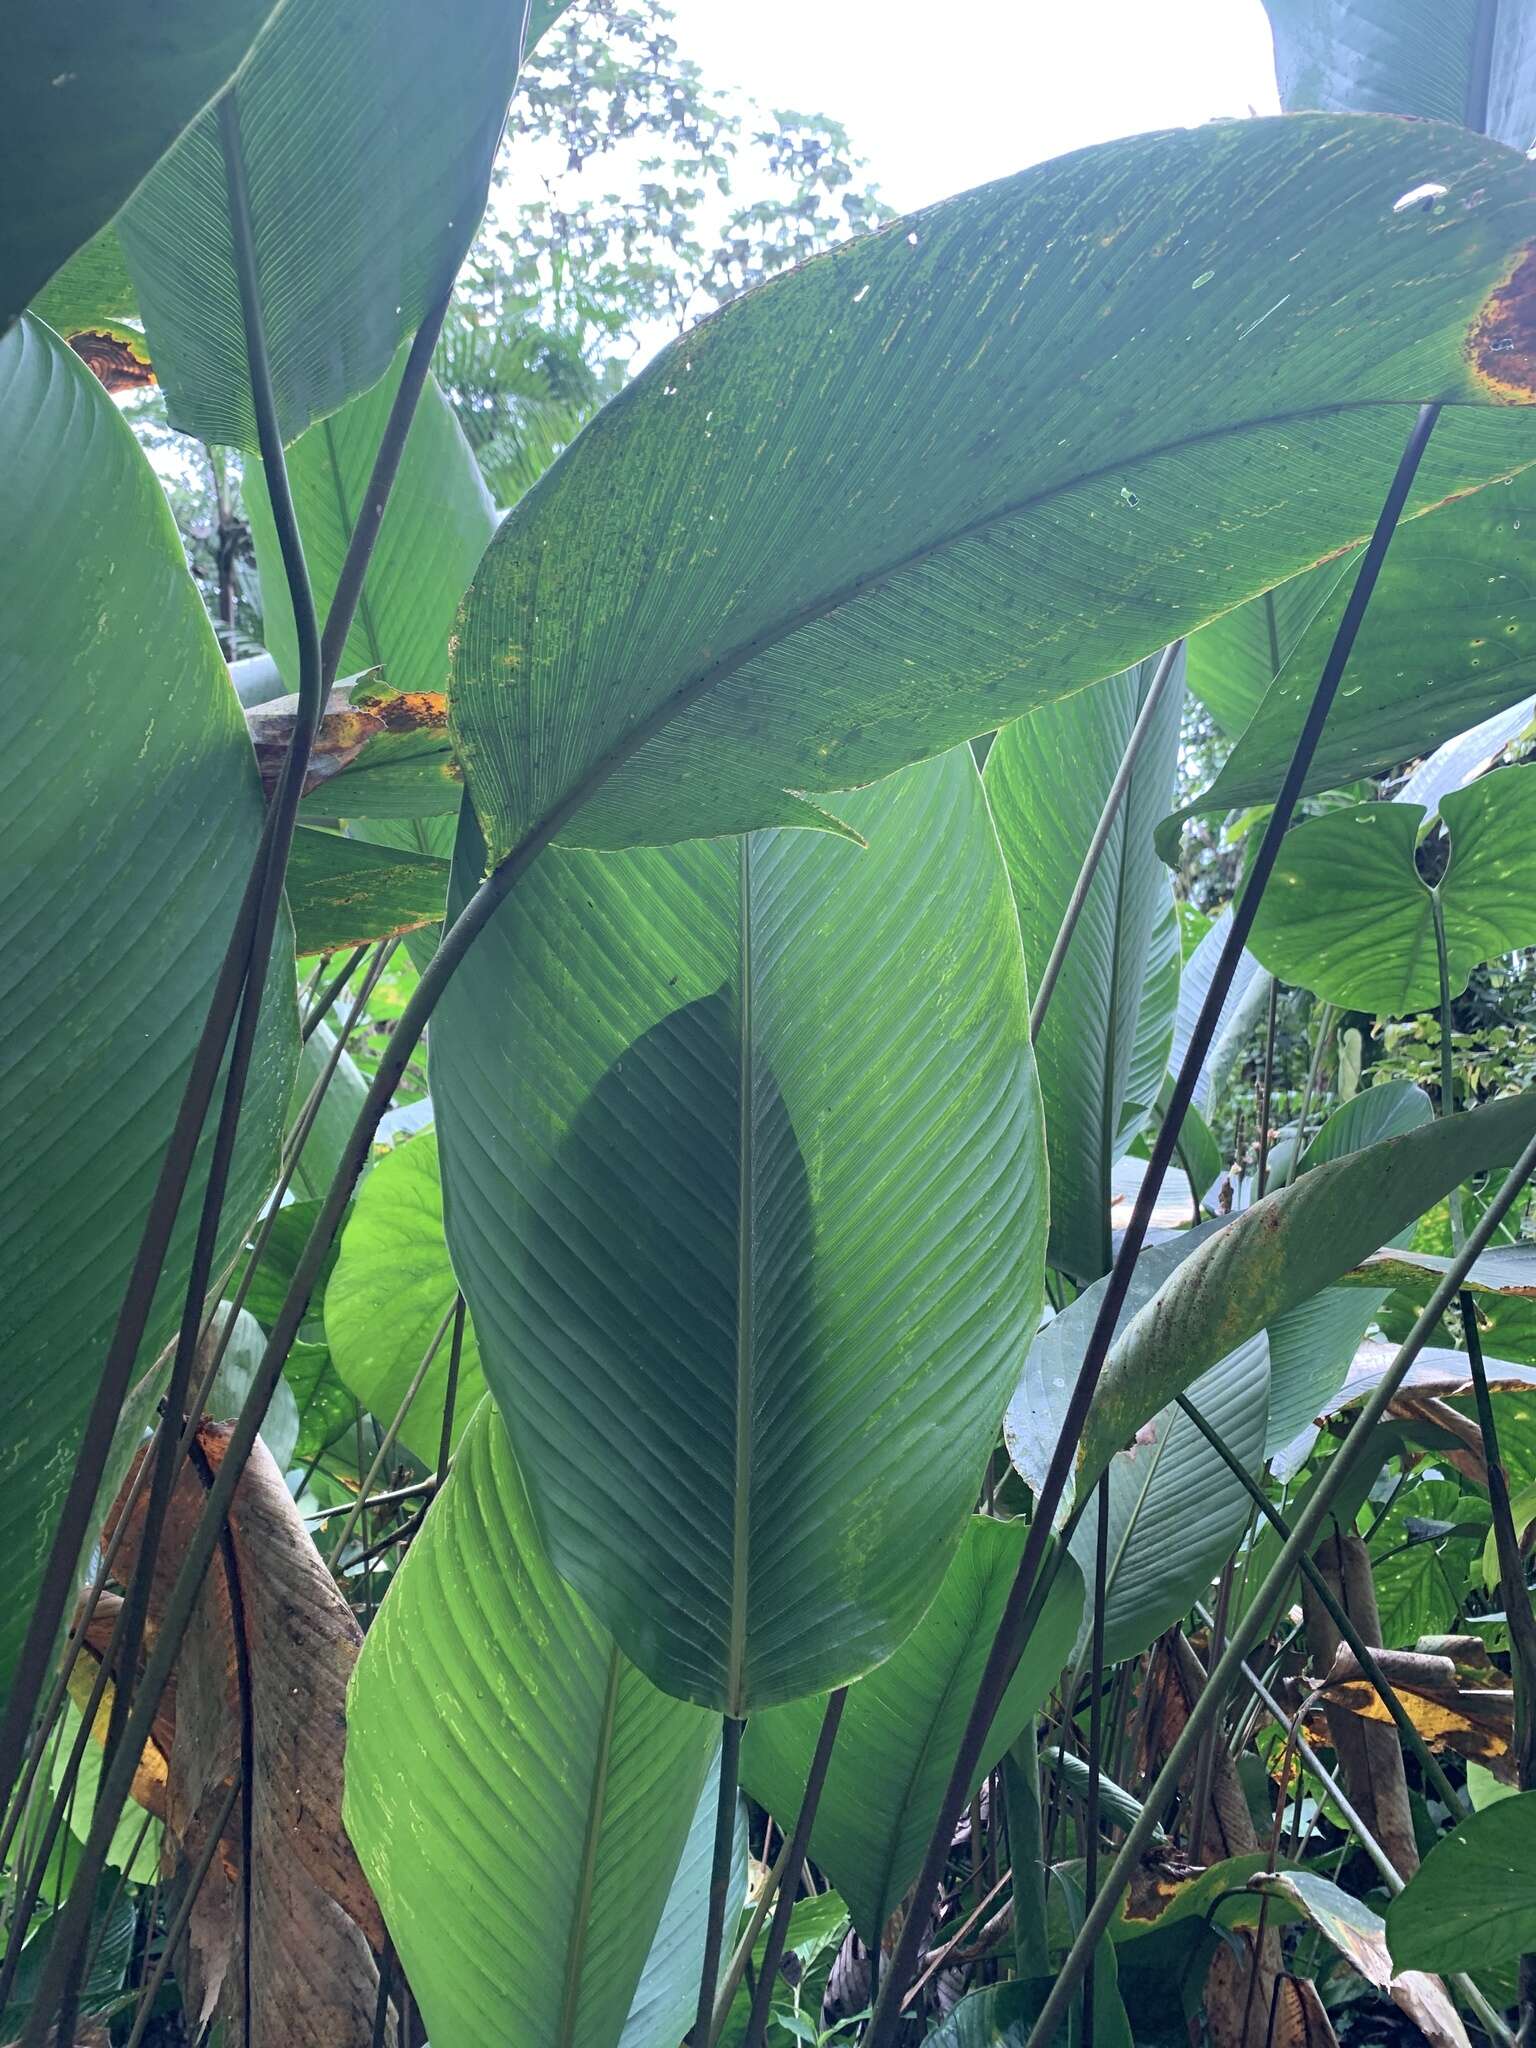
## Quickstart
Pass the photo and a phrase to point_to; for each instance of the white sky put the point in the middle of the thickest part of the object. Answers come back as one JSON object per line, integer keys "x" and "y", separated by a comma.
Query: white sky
{"x": 939, "y": 98}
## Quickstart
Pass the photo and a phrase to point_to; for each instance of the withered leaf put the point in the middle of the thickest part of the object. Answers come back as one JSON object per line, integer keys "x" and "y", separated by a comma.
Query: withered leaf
{"x": 1454, "y": 1694}
{"x": 313, "y": 1919}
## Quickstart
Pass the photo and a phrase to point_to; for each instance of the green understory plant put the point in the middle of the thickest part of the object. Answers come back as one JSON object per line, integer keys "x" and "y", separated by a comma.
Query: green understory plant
{"x": 616, "y": 1429}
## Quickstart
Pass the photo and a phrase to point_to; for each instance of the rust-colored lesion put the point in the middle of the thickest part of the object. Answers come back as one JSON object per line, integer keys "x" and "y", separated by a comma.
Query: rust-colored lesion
{"x": 351, "y": 721}
{"x": 117, "y": 357}
{"x": 1501, "y": 347}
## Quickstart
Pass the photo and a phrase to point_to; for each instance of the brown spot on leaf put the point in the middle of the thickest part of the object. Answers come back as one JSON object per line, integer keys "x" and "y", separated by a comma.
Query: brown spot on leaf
{"x": 1501, "y": 347}
{"x": 118, "y": 358}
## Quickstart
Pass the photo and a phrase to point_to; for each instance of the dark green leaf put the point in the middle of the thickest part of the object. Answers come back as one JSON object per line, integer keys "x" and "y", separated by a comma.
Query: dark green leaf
{"x": 1473, "y": 1900}
{"x": 745, "y": 1185}
{"x": 343, "y": 892}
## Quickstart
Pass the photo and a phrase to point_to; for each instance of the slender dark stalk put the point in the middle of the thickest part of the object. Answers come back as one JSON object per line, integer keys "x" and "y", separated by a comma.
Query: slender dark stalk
{"x": 1252, "y": 1625}
{"x": 1338, "y": 1614}
{"x": 321, "y": 1008}
{"x": 269, "y": 906}
{"x": 1267, "y": 1108}
{"x": 381, "y": 2004}
{"x": 1324, "y": 1028}
{"x": 1009, "y": 1642}
{"x": 184, "y": 1912}
{"x": 451, "y": 1392}
{"x": 1095, "y": 1721}
{"x": 1096, "y": 845}
{"x": 799, "y": 1843}
{"x": 1205, "y": 1764}
{"x": 739, "y": 1966}
{"x": 720, "y": 1879}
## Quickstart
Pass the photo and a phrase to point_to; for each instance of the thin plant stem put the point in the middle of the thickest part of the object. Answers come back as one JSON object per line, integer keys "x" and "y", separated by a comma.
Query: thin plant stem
{"x": 1490, "y": 2020}
{"x": 1095, "y": 1719}
{"x": 1338, "y": 1614}
{"x": 269, "y": 903}
{"x": 387, "y": 1441}
{"x": 318, "y": 1011}
{"x": 1008, "y": 1644}
{"x": 1101, "y": 832}
{"x": 720, "y": 1878}
{"x": 736, "y": 1968}
{"x": 1250, "y": 1628}
{"x": 451, "y": 1391}
{"x": 1324, "y": 1029}
{"x": 799, "y": 1843}
{"x": 1267, "y": 1102}
{"x": 184, "y": 1912}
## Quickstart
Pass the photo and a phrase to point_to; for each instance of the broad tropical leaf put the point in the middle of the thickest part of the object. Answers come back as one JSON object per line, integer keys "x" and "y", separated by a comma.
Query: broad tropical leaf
{"x": 387, "y": 1297}
{"x": 1311, "y": 1346}
{"x": 1175, "y": 1511}
{"x": 667, "y": 1994}
{"x": 343, "y": 892}
{"x": 745, "y": 1185}
{"x": 367, "y": 139}
{"x": 87, "y": 105}
{"x": 1430, "y": 616}
{"x": 1474, "y": 1897}
{"x": 334, "y": 1116}
{"x": 1047, "y": 776}
{"x": 1280, "y": 1252}
{"x": 1360, "y": 1937}
{"x": 509, "y": 1769}
{"x": 1199, "y": 971}
{"x": 1348, "y": 915}
{"x": 902, "y": 1725}
{"x": 435, "y": 529}
{"x": 785, "y": 587}
{"x": 131, "y": 813}
{"x": 1463, "y": 758}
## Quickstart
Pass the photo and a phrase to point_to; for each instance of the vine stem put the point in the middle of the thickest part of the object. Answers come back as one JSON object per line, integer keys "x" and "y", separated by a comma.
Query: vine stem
{"x": 1009, "y": 1642}
{"x": 1096, "y": 845}
{"x": 1251, "y": 1626}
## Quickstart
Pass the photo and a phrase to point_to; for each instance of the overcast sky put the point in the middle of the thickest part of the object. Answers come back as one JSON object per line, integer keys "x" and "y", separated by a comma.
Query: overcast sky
{"x": 940, "y": 98}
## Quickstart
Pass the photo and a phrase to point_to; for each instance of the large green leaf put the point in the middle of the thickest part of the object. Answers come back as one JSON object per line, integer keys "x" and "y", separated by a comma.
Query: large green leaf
{"x": 518, "y": 1793}
{"x": 1426, "y": 664}
{"x": 945, "y": 474}
{"x": 667, "y": 1994}
{"x": 1348, "y": 915}
{"x": 344, "y": 892}
{"x": 388, "y": 1295}
{"x": 334, "y": 1116}
{"x": 367, "y": 136}
{"x": 131, "y": 813}
{"x": 1175, "y": 1511}
{"x": 902, "y": 1725}
{"x": 1311, "y": 1346}
{"x": 1417, "y": 57}
{"x": 745, "y": 1184}
{"x": 435, "y": 529}
{"x": 87, "y": 105}
{"x": 1280, "y": 1252}
{"x": 1047, "y": 776}
{"x": 1473, "y": 1899}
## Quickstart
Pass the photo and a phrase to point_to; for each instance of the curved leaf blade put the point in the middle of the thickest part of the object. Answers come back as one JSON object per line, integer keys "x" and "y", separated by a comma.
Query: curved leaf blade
{"x": 1046, "y": 777}
{"x": 902, "y": 1725}
{"x": 1281, "y": 1251}
{"x": 390, "y": 1290}
{"x": 508, "y": 1769}
{"x": 744, "y": 1182}
{"x": 132, "y": 811}
{"x": 1474, "y": 1893}
{"x": 783, "y": 587}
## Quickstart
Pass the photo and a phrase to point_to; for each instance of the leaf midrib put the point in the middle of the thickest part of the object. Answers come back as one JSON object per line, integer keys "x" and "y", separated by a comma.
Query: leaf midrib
{"x": 567, "y": 807}
{"x": 581, "y": 1914}
{"x": 741, "y": 1503}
